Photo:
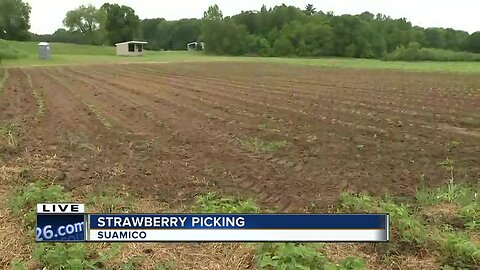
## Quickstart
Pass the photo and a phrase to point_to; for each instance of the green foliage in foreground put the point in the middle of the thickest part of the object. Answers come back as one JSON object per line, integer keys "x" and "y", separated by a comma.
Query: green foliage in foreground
{"x": 60, "y": 256}
{"x": 289, "y": 256}
{"x": 451, "y": 193}
{"x": 410, "y": 230}
{"x": 414, "y": 52}
{"x": 284, "y": 256}
{"x": 455, "y": 247}
{"x": 458, "y": 250}
{"x": 53, "y": 256}
{"x": 470, "y": 214}
{"x": 17, "y": 264}
{"x": 24, "y": 200}
{"x": 213, "y": 203}
{"x": 466, "y": 198}
{"x": 109, "y": 202}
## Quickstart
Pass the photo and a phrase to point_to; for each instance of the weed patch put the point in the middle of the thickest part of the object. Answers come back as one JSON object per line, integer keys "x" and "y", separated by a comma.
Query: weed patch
{"x": 54, "y": 255}
{"x": 447, "y": 210}
{"x": 470, "y": 214}
{"x": 24, "y": 200}
{"x": 108, "y": 201}
{"x": 59, "y": 256}
{"x": 275, "y": 256}
{"x": 73, "y": 140}
{"x": 132, "y": 263}
{"x": 410, "y": 230}
{"x": 300, "y": 256}
{"x": 453, "y": 193}
{"x": 99, "y": 116}
{"x": 212, "y": 203}
{"x": 256, "y": 145}
{"x": 459, "y": 251}
{"x": 456, "y": 248}
{"x": 9, "y": 137}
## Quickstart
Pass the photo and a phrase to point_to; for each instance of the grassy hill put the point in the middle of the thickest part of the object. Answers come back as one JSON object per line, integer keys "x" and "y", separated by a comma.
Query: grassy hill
{"x": 26, "y": 54}
{"x": 30, "y": 48}
{"x": 18, "y": 53}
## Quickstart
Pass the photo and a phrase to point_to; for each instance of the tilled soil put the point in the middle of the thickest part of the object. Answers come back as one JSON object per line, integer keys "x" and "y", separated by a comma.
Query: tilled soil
{"x": 175, "y": 130}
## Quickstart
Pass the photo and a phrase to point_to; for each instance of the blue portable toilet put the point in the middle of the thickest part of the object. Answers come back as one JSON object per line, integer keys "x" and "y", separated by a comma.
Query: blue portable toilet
{"x": 44, "y": 50}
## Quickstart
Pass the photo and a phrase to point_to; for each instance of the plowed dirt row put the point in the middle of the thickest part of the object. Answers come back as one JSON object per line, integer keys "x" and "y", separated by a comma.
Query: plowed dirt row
{"x": 402, "y": 146}
{"x": 392, "y": 84}
{"x": 203, "y": 146}
{"x": 175, "y": 130}
{"x": 331, "y": 110}
{"x": 402, "y": 134}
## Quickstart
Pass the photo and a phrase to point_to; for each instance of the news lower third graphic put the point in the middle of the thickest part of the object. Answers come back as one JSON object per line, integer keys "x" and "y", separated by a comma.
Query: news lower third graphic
{"x": 70, "y": 223}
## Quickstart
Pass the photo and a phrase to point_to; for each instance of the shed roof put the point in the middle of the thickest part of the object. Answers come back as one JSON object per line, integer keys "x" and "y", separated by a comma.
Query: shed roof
{"x": 132, "y": 42}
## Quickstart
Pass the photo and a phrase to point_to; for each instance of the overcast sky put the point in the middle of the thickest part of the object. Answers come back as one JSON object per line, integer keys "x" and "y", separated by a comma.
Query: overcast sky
{"x": 47, "y": 16}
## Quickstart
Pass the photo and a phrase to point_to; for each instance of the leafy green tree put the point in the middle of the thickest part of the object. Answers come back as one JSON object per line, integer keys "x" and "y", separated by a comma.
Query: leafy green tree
{"x": 417, "y": 34}
{"x": 121, "y": 24}
{"x": 260, "y": 45}
{"x": 344, "y": 28}
{"x": 149, "y": 30}
{"x": 454, "y": 40}
{"x": 282, "y": 15}
{"x": 61, "y": 35}
{"x": 183, "y": 32}
{"x": 310, "y": 10}
{"x": 434, "y": 38}
{"x": 171, "y": 35}
{"x": 164, "y": 35}
{"x": 351, "y": 50}
{"x": 283, "y": 47}
{"x": 397, "y": 33}
{"x": 213, "y": 14}
{"x": 14, "y": 19}
{"x": 225, "y": 37}
{"x": 472, "y": 43}
{"x": 367, "y": 16}
{"x": 250, "y": 19}
{"x": 316, "y": 40}
{"x": 287, "y": 30}
{"x": 86, "y": 20}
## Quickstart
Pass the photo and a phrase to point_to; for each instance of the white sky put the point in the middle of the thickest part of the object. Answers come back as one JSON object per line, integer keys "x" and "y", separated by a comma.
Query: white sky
{"x": 47, "y": 16}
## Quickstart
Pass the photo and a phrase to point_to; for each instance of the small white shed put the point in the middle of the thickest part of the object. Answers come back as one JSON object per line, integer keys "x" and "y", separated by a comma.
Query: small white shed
{"x": 131, "y": 48}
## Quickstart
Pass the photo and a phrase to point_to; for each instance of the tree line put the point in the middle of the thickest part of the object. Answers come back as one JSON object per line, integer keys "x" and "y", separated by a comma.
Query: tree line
{"x": 278, "y": 31}
{"x": 290, "y": 31}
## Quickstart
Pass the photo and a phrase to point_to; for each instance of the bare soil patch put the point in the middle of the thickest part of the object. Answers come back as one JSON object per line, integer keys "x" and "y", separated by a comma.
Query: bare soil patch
{"x": 289, "y": 136}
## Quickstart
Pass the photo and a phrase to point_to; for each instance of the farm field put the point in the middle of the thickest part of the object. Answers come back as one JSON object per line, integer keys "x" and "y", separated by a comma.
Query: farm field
{"x": 288, "y": 136}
